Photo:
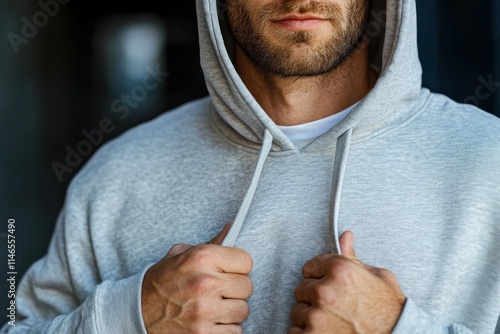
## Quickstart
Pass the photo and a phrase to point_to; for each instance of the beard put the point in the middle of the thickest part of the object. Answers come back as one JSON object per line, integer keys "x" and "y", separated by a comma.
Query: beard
{"x": 298, "y": 53}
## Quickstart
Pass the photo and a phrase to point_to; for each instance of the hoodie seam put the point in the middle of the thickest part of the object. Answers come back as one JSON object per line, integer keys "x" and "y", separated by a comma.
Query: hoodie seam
{"x": 241, "y": 146}
{"x": 402, "y": 124}
{"x": 255, "y": 151}
{"x": 226, "y": 139}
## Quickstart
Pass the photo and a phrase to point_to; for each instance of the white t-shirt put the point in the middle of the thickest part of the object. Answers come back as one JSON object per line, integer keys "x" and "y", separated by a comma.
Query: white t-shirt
{"x": 315, "y": 129}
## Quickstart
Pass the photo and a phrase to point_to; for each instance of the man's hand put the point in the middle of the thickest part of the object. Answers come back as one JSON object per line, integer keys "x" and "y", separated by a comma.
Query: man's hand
{"x": 342, "y": 295}
{"x": 199, "y": 289}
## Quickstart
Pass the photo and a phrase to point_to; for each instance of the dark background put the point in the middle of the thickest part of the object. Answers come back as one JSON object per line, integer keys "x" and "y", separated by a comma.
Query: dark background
{"x": 64, "y": 79}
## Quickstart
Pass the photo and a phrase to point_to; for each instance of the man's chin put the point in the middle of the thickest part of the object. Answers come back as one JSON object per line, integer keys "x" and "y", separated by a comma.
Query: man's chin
{"x": 300, "y": 67}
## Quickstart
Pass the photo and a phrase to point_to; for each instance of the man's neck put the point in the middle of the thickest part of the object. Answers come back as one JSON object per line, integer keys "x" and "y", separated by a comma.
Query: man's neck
{"x": 293, "y": 100}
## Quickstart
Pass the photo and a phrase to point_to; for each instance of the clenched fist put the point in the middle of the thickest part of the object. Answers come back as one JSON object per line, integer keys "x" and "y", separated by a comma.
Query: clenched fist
{"x": 342, "y": 295}
{"x": 200, "y": 289}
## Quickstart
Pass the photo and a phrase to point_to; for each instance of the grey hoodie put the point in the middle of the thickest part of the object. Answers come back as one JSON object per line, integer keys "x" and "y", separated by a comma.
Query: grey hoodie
{"x": 413, "y": 174}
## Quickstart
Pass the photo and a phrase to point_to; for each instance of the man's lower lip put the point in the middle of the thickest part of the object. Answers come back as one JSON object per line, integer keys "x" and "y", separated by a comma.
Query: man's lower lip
{"x": 301, "y": 24}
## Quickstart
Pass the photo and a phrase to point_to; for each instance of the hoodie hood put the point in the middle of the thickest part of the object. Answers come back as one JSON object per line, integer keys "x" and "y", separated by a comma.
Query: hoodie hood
{"x": 394, "y": 55}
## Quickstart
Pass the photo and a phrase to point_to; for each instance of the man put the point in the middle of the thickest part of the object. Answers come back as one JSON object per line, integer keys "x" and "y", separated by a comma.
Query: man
{"x": 359, "y": 202}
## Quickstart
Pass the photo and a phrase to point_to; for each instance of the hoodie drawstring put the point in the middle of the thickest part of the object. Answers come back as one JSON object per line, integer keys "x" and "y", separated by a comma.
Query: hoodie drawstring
{"x": 247, "y": 201}
{"x": 339, "y": 168}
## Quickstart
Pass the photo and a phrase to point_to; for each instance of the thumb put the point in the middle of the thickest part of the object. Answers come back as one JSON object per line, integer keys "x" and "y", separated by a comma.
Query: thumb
{"x": 347, "y": 245}
{"x": 221, "y": 236}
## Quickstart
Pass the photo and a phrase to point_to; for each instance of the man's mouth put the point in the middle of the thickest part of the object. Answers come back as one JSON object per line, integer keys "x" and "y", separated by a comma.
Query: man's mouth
{"x": 300, "y": 22}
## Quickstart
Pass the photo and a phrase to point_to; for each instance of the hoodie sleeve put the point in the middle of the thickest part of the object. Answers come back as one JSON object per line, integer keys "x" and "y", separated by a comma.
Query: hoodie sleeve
{"x": 414, "y": 320}
{"x": 61, "y": 296}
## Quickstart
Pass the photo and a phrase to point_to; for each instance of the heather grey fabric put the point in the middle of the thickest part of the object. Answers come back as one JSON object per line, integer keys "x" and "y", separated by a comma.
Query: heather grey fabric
{"x": 413, "y": 174}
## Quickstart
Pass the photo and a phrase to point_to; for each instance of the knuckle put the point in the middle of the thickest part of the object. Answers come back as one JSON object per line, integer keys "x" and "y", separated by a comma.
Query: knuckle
{"x": 243, "y": 258}
{"x": 323, "y": 294}
{"x": 247, "y": 285}
{"x": 198, "y": 311}
{"x": 388, "y": 276}
{"x": 202, "y": 284}
{"x": 340, "y": 268}
{"x": 308, "y": 266}
{"x": 384, "y": 273}
{"x": 297, "y": 292}
{"x": 298, "y": 312}
{"x": 313, "y": 317}
{"x": 303, "y": 287}
{"x": 315, "y": 291}
{"x": 198, "y": 255}
{"x": 242, "y": 312}
{"x": 248, "y": 259}
{"x": 341, "y": 265}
